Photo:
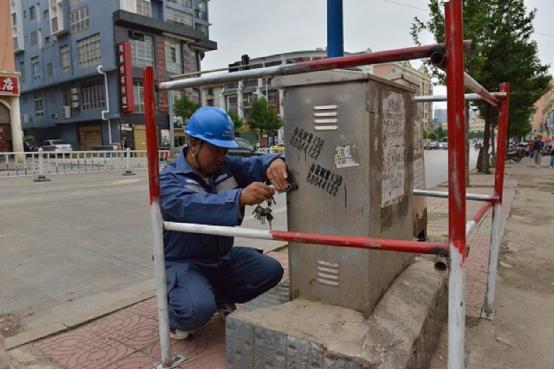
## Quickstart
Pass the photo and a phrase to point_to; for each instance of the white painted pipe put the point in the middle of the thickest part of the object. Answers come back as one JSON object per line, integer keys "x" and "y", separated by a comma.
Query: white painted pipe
{"x": 40, "y": 162}
{"x": 219, "y": 230}
{"x": 456, "y": 310}
{"x": 488, "y": 308}
{"x": 444, "y": 194}
{"x": 470, "y": 97}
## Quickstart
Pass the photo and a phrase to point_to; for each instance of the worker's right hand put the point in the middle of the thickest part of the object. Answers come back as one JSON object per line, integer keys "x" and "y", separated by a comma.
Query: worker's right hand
{"x": 255, "y": 193}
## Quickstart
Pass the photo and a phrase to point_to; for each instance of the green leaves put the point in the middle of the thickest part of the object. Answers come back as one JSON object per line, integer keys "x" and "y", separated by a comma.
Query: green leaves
{"x": 263, "y": 117}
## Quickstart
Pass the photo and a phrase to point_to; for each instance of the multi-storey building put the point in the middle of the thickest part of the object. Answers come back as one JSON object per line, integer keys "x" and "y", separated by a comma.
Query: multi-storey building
{"x": 238, "y": 96}
{"x": 81, "y": 64}
{"x": 11, "y": 137}
{"x": 543, "y": 118}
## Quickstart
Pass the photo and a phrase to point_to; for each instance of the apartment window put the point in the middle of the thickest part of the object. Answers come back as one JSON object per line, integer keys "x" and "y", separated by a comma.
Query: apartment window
{"x": 45, "y": 14}
{"x": 144, "y": 8}
{"x": 232, "y": 103}
{"x": 89, "y": 50}
{"x": 187, "y": 3}
{"x": 39, "y": 106}
{"x": 22, "y": 70}
{"x": 92, "y": 95}
{"x": 142, "y": 49}
{"x": 179, "y": 17}
{"x": 34, "y": 38}
{"x": 79, "y": 20}
{"x": 67, "y": 97}
{"x": 52, "y": 96}
{"x": 14, "y": 20}
{"x": 49, "y": 70}
{"x": 173, "y": 57}
{"x": 35, "y": 68}
{"x": 201, "y": 9}
{"x": 138, "y": 90}
{"x": 32, "y": 13}
{"x": 202, "y": 28}
{"x": 65, "y": 60}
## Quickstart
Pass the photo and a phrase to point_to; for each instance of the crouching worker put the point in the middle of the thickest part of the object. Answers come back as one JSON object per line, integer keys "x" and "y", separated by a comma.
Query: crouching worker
{"x": 205, "y": 273}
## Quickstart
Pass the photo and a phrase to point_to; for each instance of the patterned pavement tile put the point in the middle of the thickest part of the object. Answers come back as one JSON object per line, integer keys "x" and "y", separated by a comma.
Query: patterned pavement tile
{"x": 81, "y": 349}
{"x": 148, "y": 308}
{"x": 136, "y": 360}
{"x": 127, "y": 327}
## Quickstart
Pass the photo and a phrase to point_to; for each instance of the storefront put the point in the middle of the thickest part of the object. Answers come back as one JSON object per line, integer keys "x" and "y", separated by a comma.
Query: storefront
{"x": 11, "y": 138}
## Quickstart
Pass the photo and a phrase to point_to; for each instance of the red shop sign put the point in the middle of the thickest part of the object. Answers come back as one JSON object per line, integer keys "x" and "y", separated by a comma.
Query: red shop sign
{"x": 9, "y": 85}
{"x": 126, "y": 77}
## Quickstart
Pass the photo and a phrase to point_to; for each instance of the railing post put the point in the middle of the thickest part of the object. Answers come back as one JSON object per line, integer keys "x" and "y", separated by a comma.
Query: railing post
{"x": 41, "y": 177}
{"x": 156, "y": 219}
{"x": 456, "y": 182}
{"x": 128, "y": 171}
{"x": 496, "y": 230}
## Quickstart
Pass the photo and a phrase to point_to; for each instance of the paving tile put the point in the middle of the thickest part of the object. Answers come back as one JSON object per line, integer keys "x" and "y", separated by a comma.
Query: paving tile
{"x": 83, "y": 349}
{"x": 136, "y": 360}
{"x": 127, "y": 327}
{"x": 148, "y": 308}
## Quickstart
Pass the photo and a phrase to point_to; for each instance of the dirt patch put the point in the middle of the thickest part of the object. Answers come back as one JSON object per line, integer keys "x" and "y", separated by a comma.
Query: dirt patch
{"x": 9, "y": 325}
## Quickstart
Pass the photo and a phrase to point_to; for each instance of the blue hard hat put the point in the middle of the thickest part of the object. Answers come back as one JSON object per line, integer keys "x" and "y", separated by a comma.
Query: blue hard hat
{"x": 212, "y": 125}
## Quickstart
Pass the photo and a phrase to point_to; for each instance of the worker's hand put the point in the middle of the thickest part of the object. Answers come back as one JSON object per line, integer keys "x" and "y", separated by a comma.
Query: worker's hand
{"x": 277, "y": 175}
{"x": 255, "y": 193}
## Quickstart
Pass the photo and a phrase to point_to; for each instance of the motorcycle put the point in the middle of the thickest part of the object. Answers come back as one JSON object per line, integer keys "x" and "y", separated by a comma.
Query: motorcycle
{"x": 515, "y": 154}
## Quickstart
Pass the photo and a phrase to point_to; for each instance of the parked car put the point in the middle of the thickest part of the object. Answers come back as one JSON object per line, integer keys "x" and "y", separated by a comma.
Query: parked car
{"x": 55, "y": 145}
{"x": 443, "y": 145}
{"x": 432, "y": 145}
{"x": 29, "y": 145}
{"x": 245, "y": 149}
{"x": 278, "y": 148}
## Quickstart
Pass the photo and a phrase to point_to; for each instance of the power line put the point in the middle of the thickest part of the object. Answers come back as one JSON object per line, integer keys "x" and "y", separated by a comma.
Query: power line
{"x": 544, "y": 34}
{"x": 405, "y": 5}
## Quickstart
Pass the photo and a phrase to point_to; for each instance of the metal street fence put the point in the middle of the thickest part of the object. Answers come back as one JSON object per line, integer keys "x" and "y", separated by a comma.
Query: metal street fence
{"x": 14, "y": 164}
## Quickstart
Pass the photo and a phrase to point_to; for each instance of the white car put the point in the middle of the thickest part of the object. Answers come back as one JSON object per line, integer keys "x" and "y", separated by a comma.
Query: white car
{"x": 55, "y": 145}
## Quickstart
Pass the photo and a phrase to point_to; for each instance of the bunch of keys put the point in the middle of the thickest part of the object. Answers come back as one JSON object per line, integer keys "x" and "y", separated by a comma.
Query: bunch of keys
{"x": 264, "y": 214}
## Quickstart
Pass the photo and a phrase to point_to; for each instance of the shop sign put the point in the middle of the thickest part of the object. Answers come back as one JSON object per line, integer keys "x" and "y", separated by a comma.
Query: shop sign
{"x": 125, "y": 76}
{"x": 9, "y": 85}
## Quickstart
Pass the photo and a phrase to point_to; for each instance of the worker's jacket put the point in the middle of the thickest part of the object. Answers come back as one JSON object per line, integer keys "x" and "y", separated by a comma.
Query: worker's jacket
{"x": 187, "y": 197}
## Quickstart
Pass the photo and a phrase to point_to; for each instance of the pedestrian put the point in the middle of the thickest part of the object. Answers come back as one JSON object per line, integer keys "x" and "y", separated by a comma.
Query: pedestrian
{"x": 530, "y": 146}
{"x": 124, "y": 144}
{"x": 206, "y": 273}
{"x": 552, "y": 152}
{"x": 537, "y": 147}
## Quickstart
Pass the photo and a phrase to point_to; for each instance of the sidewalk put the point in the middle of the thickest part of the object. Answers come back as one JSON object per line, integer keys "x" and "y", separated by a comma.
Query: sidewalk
{"x": 129, "y": 338}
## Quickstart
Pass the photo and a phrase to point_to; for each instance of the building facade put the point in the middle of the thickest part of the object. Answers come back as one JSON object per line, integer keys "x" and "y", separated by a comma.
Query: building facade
{"x": 238, "y": 96}
{"x": 11, "y": 135}
{"x": 543, "y": 119}
{"x": 81, "y": 64}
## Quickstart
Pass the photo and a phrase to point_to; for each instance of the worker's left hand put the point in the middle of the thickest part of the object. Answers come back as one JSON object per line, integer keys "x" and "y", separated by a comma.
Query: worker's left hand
{"x": 277, "y": 175}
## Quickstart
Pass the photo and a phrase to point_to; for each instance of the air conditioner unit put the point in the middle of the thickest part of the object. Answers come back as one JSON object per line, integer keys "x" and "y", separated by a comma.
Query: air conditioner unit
{"x": 66, "y": 111}
{"x": 74, "y": 97}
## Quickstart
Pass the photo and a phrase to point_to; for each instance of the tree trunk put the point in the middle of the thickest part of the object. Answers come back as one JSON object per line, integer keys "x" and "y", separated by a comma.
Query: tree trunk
{"x": 483, "y": 164}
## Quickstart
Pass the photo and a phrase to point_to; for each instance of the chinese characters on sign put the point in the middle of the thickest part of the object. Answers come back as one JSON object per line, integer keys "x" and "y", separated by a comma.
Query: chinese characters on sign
{"x": 9, "y": 85}
{"x": 125, "y": 77}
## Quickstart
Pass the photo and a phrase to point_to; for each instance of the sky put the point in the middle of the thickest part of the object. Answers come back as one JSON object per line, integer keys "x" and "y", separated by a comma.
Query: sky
{"x": 264, "y": 27}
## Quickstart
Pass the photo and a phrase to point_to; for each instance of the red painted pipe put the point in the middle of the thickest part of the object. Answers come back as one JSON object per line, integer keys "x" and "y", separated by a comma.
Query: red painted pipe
{"x": 456, "y": 123}
{"x": 502, "y": 142}
{"x": 408, "y": 246}
{"x": 151, "y": 134}
{"x": 481, "y": 212}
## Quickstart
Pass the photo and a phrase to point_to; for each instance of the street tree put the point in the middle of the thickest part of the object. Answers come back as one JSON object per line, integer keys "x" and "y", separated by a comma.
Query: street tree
{"x": 263, "y": 117}
{"x": 184, "y": 108}
{"x": 237, "y": 121}
{"x": 503, "y": 51}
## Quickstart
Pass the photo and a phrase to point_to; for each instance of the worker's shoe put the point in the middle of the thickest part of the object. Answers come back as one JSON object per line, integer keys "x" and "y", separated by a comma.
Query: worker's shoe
{"x": 179, "y": 334}
{"x": 225, "y": 309}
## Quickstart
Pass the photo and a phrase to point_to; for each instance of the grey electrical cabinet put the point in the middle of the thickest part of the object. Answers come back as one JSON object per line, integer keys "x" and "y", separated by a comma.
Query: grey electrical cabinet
{"x": 349, "y": 145}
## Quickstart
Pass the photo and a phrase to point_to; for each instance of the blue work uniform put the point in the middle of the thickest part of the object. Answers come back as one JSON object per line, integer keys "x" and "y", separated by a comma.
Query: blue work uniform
{"x": 205, "y": 271}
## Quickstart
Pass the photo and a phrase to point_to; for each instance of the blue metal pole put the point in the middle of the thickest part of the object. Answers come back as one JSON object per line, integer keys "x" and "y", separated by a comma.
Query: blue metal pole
{"x": 335, "y": 41}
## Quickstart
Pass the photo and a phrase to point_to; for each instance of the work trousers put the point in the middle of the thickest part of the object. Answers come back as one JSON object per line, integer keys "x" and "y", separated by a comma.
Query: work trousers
{"x": 196, "y": 289}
